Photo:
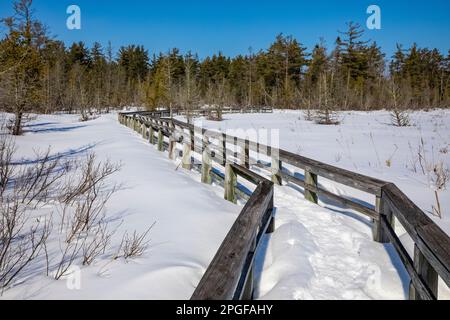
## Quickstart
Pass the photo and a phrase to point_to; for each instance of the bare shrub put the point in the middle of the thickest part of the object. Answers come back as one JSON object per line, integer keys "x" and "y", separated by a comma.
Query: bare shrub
{"x": 23, "y": 187}
{"x": 83, "y": 197}
{"x": 440, "y": 178}
{"x": 92, "y": 176}
{"x": 97, "y": 244}
{"x": 437, "y": 173}
{"x": 308, "y": 114}
{"x": 79, "y": 191}
{"x": 134, "y": 245}
{"x": 40, "y": 180}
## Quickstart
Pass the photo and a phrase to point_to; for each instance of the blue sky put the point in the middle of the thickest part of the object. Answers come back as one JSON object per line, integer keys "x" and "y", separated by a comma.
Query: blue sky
{"x": 232, "y": 26}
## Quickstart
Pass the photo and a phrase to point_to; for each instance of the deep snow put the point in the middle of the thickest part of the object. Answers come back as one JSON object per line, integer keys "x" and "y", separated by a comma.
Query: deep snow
{"x": 314, "y": 253}
{"x": 334, "y": 247}
{"x": 367, "y": 143}
{"x": 191, "y": 219}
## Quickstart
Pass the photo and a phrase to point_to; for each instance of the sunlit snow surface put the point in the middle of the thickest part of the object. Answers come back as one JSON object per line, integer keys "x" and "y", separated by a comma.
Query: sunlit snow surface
{"x": 314, "y": 253}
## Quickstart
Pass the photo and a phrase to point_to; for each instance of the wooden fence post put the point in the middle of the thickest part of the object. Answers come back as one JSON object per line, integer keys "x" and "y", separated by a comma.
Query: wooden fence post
{"x": 144, "y": 131}
{"x": 276, "y": 170}
{"x": 160, "y": 140}
{"x": 247, "y": 154}
{"x": 379, "y": 234}
{"x": 224, "y": 149}
{"x": 247, "y": 293}
{"x": 206, "y": 162}
{"x": 151, "y": 137}
{"x": 271, "y": 227}
{"x": 311, "y": 179}
{"x": 426, "y": 272}
{"x": 230, "y": 183}
{"x": 192, "y": 136}
{"x": 172, "y": 147}
{"x": 186, "y": 161}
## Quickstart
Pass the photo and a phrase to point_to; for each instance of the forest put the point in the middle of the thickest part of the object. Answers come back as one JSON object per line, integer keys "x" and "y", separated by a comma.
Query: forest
{"x": 40, "y": 74}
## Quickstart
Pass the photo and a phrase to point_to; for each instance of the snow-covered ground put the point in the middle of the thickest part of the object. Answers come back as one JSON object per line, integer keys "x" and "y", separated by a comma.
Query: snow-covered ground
{"x": 314, "y": 253}
{"x": 334, "y": 247}
{"x": 191, "y": 219}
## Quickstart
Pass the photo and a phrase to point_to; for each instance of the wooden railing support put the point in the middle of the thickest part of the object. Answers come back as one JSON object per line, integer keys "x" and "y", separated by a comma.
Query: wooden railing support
{"x": 186, "y": 160}
{"x": 206, "y": 162}
{"x": 249, "y": 287}
{"x": 144, "y": 131}
{"x": 426, "y": 273}
{"x": 379, "y": 234}
{"x": 311, "y": 179}
{"x": 276, "y": 167}
{"x": 160, "y": 140}
{"x": 271, "y": 226}
{"x": 172, "y": 147}
{"x": 247, "y": 153}
{"x": 223, "y": 147}
{"x": 230, "y": 183}
{"x": 192, "y": 136}
{"x": 151, "y": 137}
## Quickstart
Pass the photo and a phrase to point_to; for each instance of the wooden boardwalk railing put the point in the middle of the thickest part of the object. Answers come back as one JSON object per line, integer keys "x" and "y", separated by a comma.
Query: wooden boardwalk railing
{"x": 230, "y": 276}
{"x": 205, "y": 112}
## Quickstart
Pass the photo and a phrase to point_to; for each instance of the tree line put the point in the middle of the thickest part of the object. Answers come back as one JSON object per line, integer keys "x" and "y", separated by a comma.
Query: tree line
{"x": 38, "y": 73}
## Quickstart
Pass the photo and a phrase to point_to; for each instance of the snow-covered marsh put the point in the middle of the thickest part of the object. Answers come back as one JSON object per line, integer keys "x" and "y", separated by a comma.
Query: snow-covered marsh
{"x": 314, "y": 253}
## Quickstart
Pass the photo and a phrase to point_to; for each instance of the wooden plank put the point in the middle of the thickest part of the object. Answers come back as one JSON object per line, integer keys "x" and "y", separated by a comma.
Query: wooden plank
{"x": 418, "y": 283}
{"x": 246, "y": 293}
{"x": 344, "y": 201}
{"x": 349, "y": 178}
{"x": 431, "y": 240}
{"x": 225, "y": 271}
{"x": 247, "y": 174}
{"x": 427, "y": 274}
{"x": 345, "y": 177}
{"x": 434, "y": 244}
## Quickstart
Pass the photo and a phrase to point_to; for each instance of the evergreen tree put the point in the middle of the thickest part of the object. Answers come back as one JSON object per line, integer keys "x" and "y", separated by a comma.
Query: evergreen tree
{"x": 23, "y": 62}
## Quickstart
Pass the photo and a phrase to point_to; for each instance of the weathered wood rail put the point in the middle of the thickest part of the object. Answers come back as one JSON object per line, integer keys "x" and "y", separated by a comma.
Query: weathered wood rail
{"x": 230, "y": 276}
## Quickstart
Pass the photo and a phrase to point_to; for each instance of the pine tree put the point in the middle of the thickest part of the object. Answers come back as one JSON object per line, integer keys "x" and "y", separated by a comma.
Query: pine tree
{"x": 23, "y": 63}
